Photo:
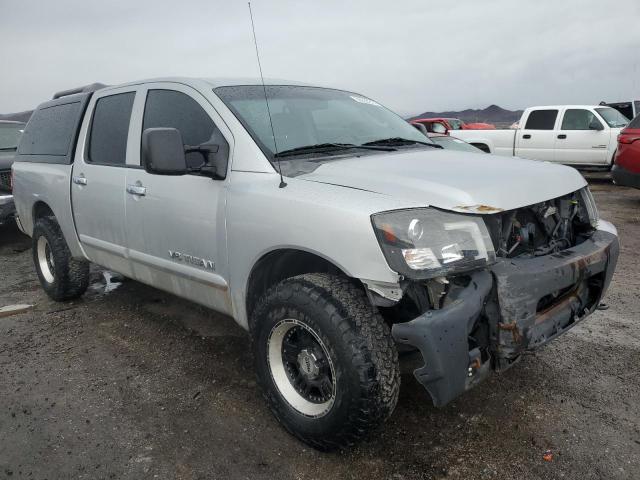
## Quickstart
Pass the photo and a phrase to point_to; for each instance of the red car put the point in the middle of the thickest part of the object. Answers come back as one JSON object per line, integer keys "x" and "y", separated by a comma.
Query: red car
{"x": 452, "y": 124}
{"x": 626, "y": 168}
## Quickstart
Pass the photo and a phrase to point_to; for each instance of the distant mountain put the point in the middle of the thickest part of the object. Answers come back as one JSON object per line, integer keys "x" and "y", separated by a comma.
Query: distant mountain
{"x": 17, "y": 117}
{"x": 492, "y": 114}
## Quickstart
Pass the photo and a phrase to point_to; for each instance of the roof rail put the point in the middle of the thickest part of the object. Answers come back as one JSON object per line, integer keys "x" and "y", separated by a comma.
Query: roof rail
{"x": 86, "y": 88}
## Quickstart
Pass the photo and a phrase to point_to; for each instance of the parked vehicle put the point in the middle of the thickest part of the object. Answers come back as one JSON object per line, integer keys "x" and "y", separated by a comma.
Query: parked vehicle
{"x": 452, "y": 143}
{"x": 578, "y": 135}
{"x": 626, "y": 169}
{"x": 325, "y": 225}
{"x": 9, "y": 136}
{"x": 452, "y": 124}
{"x": 630, "y": 109}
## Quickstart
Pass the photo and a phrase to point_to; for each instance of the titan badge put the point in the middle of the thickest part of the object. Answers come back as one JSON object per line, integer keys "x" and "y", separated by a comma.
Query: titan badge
{"x": 198, "y": 262}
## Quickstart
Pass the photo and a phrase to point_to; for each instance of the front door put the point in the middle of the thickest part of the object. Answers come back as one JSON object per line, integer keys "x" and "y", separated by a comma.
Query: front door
{"x": 99, "y": 179}
{"x": 578, "y": 143}
{"x": 176, "y": 227}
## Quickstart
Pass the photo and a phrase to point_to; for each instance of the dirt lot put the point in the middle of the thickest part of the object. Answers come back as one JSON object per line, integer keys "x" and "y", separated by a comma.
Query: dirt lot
{"x": 134, "y": 383}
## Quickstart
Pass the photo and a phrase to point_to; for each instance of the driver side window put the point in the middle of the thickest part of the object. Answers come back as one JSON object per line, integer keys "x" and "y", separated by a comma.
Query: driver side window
{"x": 577, "y": 119}
{"x": 173, "y": 109}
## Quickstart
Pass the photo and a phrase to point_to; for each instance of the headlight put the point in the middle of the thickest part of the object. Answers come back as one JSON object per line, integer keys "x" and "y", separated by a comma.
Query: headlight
{"x": 590, "y": 206}
{"x": 426, "y": 243}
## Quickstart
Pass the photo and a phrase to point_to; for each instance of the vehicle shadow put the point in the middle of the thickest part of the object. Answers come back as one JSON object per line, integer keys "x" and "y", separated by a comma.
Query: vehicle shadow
{"x": 13, "y": 240}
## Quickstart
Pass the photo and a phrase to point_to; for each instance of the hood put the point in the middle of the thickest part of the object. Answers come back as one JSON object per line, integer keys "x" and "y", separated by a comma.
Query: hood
{"x": 451, "y": 180}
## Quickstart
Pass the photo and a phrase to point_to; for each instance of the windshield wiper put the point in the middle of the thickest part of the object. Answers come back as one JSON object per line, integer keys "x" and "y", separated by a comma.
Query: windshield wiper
{"x": 6, "y": 149}
{"x": 327, "y": 147}
{"x": 398, "y": 141}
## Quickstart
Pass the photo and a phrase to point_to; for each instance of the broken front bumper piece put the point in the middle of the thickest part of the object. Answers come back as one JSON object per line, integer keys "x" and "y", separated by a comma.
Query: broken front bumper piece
{"x": 524, "y": 302}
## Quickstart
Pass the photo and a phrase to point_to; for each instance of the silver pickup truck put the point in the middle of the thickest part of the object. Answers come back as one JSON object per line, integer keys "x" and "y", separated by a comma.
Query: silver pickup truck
{"x": 338, "y": 235}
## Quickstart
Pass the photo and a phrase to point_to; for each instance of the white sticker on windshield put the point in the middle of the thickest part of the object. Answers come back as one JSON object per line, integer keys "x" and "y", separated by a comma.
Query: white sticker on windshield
{"x": 365, "y": 100}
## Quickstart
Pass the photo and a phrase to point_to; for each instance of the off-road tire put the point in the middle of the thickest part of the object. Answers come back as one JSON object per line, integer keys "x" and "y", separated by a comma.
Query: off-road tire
{"x": 361, "y": 348}
{"x": 70, "y": 276}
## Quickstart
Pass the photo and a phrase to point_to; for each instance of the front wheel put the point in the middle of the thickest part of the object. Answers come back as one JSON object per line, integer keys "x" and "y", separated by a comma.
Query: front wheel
{"x": 325, "y": 360}
{"x": 61, "y": 276}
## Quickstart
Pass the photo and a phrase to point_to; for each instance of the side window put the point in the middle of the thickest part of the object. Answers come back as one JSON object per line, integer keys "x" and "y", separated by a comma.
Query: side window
{"x": 541, "y": 120}
{"x": 172, "y": 109}
{"x": 110, "y": 129}
{"x": 577, "y": 119}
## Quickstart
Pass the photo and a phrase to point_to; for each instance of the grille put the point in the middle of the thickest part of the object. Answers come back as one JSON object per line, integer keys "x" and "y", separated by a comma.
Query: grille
{"x": 543, "y": 228}
{"x": 5, "y": 180}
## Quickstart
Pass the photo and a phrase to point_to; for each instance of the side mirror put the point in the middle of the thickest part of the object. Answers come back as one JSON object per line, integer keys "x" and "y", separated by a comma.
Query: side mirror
{"x": 163, "y": 151}
{"x": 437, "y": 127}
{"x": 215, "y": 155}
{"x": 595, "y": 125}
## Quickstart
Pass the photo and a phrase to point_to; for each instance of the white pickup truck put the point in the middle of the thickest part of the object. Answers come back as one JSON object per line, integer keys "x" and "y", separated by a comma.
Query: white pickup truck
{"x": 577, "y": 135}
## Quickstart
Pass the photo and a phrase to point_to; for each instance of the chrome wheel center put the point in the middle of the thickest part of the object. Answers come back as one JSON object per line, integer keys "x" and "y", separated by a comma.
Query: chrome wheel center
{"x": 308, "y": 364}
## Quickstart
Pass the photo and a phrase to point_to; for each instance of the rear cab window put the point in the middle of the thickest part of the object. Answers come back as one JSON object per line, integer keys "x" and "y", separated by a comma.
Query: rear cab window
{"x": 109, "y": 129}
{"x": 541, "y": 120}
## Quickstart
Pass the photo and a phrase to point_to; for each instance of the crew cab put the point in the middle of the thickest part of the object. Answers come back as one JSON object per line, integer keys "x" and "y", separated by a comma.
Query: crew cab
{"x": 10, "y": 132}
{"x": 583, "y": 136}
{"x": 329, "y": 228}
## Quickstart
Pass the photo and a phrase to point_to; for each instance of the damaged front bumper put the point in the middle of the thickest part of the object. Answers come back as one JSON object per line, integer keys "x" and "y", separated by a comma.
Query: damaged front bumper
{"x": 524, "y": 303}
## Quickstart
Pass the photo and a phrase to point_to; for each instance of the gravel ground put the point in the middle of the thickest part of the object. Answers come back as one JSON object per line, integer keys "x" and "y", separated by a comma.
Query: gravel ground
{"x": 130, "y": 382}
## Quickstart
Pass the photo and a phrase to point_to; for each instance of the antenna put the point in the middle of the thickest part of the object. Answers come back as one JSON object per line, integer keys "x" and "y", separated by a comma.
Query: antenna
{"x": 264, "y": 89}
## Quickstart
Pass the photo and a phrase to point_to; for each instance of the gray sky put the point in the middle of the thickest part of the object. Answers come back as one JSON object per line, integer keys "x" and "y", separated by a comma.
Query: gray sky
{"x": 410, "y": 55}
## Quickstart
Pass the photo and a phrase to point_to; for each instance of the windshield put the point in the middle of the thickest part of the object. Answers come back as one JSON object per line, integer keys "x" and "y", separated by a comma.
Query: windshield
{"x": 310, "y": 116}
{"x": 10, "y": 135}
{"x": 452, "y": 143}
{"x": 613, "y": 117}
{"x": 455, "y": 123}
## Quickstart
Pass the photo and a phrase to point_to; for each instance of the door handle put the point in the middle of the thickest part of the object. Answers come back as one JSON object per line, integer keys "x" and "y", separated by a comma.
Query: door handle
{"x": 562, "y": 136}
{"x": 138, "y": 190}
{"x": 526, "y": 136}
{"x": 80, "y": 180}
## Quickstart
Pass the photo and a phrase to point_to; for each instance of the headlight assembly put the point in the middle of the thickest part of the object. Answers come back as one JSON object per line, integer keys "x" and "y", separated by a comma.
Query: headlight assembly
{"x": 426, "y": 243}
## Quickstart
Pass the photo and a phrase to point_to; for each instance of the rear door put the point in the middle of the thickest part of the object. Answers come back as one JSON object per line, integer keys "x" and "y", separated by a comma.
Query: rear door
{"x": 176, "y": 224}
{"x": 99, "y": 179}
{"x": 576, "y": 143}
{"x": 536, "y": 139}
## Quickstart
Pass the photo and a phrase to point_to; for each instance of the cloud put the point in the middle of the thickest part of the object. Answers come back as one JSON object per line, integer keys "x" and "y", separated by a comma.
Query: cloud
{"x": 411, "y": 55}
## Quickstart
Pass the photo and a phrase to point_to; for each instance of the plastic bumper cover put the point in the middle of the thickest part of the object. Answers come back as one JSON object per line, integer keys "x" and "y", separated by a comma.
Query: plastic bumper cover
{"x": 624, "y": 177}
{"x": 526, "y": 303}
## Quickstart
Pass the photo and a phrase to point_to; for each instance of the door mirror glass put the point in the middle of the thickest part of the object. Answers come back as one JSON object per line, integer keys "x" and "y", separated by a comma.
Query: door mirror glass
{"x": 595, "y": 125}
{"x": 163, "y": 151}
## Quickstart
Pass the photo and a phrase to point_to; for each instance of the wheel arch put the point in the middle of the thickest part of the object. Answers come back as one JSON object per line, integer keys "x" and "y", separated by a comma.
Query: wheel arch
{"x": 282, "y": 263}
{"x": 41, "y": 209}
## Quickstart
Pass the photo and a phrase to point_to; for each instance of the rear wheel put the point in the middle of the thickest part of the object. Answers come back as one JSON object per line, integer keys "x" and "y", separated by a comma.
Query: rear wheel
{"x": 61, "y": 276}
{"x": 325, "y": 360}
